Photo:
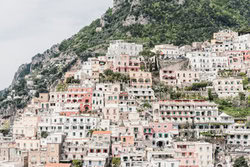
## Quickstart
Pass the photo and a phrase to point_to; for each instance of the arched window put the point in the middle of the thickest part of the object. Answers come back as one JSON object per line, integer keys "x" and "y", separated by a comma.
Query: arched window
{"x": 141, "y": 80}
{"x": 147, "y": 80}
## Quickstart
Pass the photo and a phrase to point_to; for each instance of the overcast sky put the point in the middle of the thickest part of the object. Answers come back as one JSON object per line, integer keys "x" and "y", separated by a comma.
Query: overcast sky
{"x": 28, "y": 27}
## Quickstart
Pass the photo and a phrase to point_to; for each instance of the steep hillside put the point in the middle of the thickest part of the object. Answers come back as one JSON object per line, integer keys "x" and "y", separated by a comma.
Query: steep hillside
{"x": 146, "y": 21}
{"x": 162, "y": 21}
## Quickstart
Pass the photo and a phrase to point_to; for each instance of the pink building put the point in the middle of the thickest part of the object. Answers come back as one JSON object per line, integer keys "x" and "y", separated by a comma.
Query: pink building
{"x": 161, "y": 134}
{"x": 126, "y": 63}
{"x": 75, "y": 94}
{"x": 235, "y": 62}
{"x": 127, "y": 140}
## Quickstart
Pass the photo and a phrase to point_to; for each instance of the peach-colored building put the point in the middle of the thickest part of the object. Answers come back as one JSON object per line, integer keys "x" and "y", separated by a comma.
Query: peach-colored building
{"x": 111, "y": 113}
{"x": 37, "y": 157}
{"x": 223, "y": 36}
{"x": 28, "y": 144}
{"x": 140, "y": 79}
{"x": 179, "y": 78}
{"x": 168, "y": 77}
{"x": 26, "y": 126}
{"x": 186, "y": 78}
{"x": 127, "y": 140}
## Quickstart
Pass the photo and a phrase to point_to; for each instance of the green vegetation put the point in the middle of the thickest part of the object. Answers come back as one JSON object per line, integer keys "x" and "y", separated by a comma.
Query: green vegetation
{"x": 5, "y": 129}
{"x": 197, "y": 86}
{"x": 207, "y": 134}
{"x": 245, "y": 82}
{"x": 233, "y": 108}
{"x": 116, "y": 162}
{"x": 169, "y": 22}
{"x": 210, "y": 96}
{"x": 61, "y": 87}
{"x": 240, "y": 162}
{"x": 110, "y": 76}
{"x": 44, "y": 134}
{"x": 71, "y": 80}
{"x": 77, "y": 163}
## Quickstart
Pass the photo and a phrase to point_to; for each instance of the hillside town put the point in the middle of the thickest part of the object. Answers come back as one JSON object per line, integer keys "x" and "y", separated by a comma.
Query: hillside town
{"x": 167, "y": 106}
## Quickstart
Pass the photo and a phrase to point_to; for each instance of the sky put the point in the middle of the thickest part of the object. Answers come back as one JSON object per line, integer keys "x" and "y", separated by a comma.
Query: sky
{"x": 28, "y": 27}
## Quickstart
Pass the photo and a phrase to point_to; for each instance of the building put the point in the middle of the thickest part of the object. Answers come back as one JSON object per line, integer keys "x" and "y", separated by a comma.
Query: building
{"x": 238, "y": 134}
{"x": 126, "y": 64}
{"x": 81, "y": 94}
{"x": 183, "y": 111}
{"x": 26, "y": 126}
{"x": 207, "y": 61}
{"x": 242, "y": 42}
{"x": 72, "y": 126}
{"x": 195, "y": 154}
{"x": 58, "y": 165}
{"x": 226, "y": 87}
{"x": 143, "y": 94}
{"x": 140, "y": 79}
{"x": 167, "y": 51}
{"x": 224, "y": 36}
{"x": 187, "y": 78}
{"x": 161, "y": 134}
{"x": 120, "y": 47}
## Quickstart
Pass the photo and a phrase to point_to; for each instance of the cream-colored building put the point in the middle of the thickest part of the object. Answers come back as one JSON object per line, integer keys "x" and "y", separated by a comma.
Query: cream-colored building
{"x": 226, "y": 87}
{"x": 26, "y": 126}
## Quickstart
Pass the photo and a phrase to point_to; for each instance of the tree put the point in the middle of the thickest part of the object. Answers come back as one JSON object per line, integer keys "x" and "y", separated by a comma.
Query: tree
{"x": 240, "y": 162}
{"x": 242, "y": 96}
{"x": 77, "y": 163}
{"x": 44, "y": 134}
{"x": 116, "y": 162}
{"x": 245, "y": 82}
{"x": 210, "y": 96}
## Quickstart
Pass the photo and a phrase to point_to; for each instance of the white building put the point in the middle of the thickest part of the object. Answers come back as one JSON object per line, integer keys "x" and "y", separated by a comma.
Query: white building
{"x": 207, "y": 61}
{"x": 167, "y": 51}
{"x": 162, "y": 158}
{"x": 238, "y": 134}
{"x": 141, "y": 93}
{"x": 120, "y": 47}
{"x": 72, "y": 126}
{"x": 242, "y": 42}
{"x": 226, "y": 87}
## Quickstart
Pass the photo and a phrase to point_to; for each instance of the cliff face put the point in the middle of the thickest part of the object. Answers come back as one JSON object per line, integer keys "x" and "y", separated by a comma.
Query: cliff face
{"x": 36, "y": 77}
{"x": 144, "y": 21}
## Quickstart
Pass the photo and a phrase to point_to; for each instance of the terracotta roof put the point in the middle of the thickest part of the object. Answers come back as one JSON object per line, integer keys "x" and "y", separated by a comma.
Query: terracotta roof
{"x": 57, "y": 165}
{"x": 101, "y": 132}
